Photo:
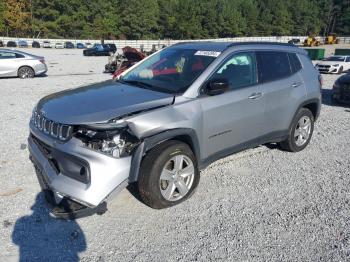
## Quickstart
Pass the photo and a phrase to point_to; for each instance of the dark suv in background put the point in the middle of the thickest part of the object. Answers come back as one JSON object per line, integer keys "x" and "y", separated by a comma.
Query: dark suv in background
{"x": 100, "y": 50}
{"x": 11, "y": 44}
{"x": 69, "y": 45}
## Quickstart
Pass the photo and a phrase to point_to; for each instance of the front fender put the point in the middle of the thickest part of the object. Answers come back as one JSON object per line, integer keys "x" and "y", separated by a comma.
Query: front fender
{"x": 186, "y": 135}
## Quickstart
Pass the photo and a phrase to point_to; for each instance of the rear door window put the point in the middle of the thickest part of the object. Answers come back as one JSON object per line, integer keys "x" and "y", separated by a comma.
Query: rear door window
{"x": 272, "y": 66}
{"x": 7, "y": 55}
{"x": 348, "y": 59}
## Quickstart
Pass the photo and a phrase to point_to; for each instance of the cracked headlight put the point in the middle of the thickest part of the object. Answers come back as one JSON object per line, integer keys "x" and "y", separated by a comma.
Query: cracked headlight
{"x": 115, "y": 143}
{"x": 114, "y": 147}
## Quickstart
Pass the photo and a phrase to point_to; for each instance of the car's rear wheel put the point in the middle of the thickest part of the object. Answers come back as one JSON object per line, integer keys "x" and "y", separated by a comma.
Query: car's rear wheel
{"x": 168, "y": 175}
{"x": 26, "y": 72}
{"x": 300, "y": 132}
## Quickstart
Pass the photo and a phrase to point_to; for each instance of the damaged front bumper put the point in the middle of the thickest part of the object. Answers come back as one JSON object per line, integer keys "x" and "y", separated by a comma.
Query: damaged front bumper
{"x": 76, "y": 180}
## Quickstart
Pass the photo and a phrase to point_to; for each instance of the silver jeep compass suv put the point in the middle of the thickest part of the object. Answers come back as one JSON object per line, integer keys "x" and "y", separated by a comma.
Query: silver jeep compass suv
{"x": 168, "y": 117}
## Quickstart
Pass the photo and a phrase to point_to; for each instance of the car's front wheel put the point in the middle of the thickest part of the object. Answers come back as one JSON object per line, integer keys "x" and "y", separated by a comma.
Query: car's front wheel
{"x": 300, "y": 131}
{"x": 168, "y": 175}
{"x": 26, "y": 72}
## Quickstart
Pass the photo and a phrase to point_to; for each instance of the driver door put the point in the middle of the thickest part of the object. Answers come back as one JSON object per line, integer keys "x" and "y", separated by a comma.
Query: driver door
{"x": 235, "y": 117}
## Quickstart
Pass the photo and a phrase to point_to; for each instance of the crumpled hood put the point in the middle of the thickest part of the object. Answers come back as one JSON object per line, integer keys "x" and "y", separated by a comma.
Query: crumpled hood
{"x": 99, "y": 103}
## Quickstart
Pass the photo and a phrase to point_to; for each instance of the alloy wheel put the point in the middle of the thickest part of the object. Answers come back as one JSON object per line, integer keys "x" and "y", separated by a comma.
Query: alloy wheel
{"x": 177, "y": 178}
{"x": 26, "y": 73}
{"x": 302, "y": 131}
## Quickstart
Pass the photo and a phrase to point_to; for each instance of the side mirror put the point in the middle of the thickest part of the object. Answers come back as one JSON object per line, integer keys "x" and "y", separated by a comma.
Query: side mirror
{"x": 217, "y": 87}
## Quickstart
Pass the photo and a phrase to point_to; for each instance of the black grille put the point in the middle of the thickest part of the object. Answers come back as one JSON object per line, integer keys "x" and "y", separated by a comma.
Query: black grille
{"x": 56, "y": 130}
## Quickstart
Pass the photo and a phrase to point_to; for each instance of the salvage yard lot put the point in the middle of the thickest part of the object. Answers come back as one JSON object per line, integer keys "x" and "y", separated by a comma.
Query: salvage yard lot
{"x": 260, "y": 204}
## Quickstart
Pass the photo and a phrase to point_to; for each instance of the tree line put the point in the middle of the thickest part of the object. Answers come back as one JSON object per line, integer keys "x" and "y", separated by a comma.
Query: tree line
{"x": 171, "y": 19}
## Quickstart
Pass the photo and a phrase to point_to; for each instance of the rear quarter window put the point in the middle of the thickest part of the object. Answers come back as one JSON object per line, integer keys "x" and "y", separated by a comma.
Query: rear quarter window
{"x": 19, "y": 56}
{"x": 272, "y": 66}
{"x": 294, "y": 62}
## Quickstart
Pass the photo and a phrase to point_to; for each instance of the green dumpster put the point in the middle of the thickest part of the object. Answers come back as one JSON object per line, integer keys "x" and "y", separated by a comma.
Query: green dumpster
{"x": 342, "y": 51}
{"x": 315, "y": 53}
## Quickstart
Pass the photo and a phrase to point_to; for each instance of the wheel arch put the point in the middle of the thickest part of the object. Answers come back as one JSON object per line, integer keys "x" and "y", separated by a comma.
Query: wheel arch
{"x": 25, "y": 66}
{"x": 185, "y": 135}
{"x": 313, "y": 105}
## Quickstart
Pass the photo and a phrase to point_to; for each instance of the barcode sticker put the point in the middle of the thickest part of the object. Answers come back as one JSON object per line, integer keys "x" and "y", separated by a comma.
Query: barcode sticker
{"x": 208, "y": 53}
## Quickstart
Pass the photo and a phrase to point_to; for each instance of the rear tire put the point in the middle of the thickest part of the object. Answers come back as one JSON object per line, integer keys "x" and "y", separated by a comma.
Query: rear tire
{"x": 168, "y": 175}
{"x": 26, "y": 72}
{"x": 300, "y": 131}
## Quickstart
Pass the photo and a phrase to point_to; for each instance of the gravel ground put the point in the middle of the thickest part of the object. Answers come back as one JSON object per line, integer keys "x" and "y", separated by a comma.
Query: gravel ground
{"x": 261, "y": 204}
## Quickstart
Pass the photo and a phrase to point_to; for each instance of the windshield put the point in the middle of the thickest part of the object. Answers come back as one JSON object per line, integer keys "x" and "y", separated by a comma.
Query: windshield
{"x": 335, "y": 59}
{"x": 171, "y": 70}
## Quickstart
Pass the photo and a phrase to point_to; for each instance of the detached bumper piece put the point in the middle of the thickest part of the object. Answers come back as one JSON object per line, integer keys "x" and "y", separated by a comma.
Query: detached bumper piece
{"x": 66, "y": 208}
{"x": 69, "y": 209}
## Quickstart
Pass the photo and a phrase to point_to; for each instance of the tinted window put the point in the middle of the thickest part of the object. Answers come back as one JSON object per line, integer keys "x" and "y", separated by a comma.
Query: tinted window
{"x": 239, "y": 70}
{"x": 272, "y": 66}
{"x": 294, "y": 62}
{"x": 7, "y": 55}
{"x": 348, "y": 59}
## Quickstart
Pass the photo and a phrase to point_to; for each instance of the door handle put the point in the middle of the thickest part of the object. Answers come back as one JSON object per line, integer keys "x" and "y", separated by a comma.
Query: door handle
{"x": 255, "y": 96}
{"x": 296, "y": 84}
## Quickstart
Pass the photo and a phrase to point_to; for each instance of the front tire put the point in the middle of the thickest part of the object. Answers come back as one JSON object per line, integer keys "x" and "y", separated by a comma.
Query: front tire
{"x": 169, "y": 175}
{"x": 300, "y": 132}
{"x": 26, "y": 72}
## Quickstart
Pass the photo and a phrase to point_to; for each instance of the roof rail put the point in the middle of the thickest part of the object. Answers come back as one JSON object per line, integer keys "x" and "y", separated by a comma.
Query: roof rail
{"x": 260, "y": 43}
{"x": 195, "y": 41}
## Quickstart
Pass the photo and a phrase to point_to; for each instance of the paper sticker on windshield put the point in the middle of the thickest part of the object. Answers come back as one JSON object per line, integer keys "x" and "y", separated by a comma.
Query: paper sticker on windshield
{"x": 208, "y": 53}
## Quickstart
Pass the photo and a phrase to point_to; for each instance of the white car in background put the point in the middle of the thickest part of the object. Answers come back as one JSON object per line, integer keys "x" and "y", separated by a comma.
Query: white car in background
{"x": 59, "y": 46}
{"x": 47, "y": 44}
{"x": 89, "y": 45}
{"x": 15, "y": 63}
{"x": 335, "y": 64}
